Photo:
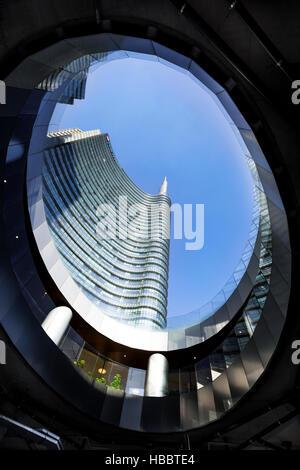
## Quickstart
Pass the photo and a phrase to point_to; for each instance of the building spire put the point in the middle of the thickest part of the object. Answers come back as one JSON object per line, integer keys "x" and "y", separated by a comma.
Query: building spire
{"x": 164, "y": 187}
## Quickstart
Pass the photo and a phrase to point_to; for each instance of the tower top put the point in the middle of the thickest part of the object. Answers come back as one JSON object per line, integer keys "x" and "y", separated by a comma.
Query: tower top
{"x": 164, "y": 187}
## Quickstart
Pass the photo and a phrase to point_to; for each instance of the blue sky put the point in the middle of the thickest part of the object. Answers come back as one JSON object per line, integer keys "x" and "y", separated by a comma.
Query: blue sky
{"x": 161, "y": 123}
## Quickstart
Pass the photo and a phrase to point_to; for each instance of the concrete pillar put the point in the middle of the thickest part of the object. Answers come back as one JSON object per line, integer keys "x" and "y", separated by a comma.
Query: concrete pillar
{"x": 56, "y": 323}
{"x": 157, "y": 376}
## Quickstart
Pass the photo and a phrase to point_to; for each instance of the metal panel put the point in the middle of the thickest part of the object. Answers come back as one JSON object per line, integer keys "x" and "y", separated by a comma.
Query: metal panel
{"x": 206, "y": 405}
{"x": 137, "y": 45}
{"x": 222, "y": 394}
{"x": 232, "y": 110}
{"x": 252, "y": 363}
{"x": 171, "y": 55}
{"x": 131, "y": 412}
{"x": 222, "y": 317}
{"x": 112, "y": 406}
{"x": 234, "y": 303}
{"x": 273, "y": 317}
{"x": 254, "y": 148}
{"x": 237, "y": 380}
{"x": 264, "y": 341}
{"x": 244, "y": 287}
{"x": 93, "y": 43}
{"x": 189, "y": 410}
{"x": 204, "y": 78}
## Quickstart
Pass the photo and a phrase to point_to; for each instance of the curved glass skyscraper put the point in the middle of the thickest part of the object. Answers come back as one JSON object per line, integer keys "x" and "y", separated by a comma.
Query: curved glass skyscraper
{"x": 112, "y": 236}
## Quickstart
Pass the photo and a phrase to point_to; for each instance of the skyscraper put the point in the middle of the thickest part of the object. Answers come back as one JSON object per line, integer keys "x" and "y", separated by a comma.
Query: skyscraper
{"x": 112, "y": 236}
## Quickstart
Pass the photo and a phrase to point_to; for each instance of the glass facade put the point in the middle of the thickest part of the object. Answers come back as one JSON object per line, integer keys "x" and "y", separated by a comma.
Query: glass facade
{"x": 124, "y": 271}
{"x": 76, "y": 73}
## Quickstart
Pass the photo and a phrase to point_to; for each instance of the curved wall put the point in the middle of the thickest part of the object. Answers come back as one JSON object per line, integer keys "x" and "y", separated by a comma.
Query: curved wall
{"x": 200, "y": 326}
{"x": 169, "y": 414}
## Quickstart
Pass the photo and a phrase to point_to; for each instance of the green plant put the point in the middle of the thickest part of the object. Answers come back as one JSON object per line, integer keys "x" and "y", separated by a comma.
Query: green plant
{"x": 80, "y": 364}
{"x": 101, "y": 380}
{"x": 116, "y": 383}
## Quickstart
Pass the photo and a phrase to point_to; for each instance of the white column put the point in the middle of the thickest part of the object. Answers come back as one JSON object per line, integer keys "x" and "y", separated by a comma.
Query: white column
{"x": 56, "y": 323}
{"x": 157, "y": 376}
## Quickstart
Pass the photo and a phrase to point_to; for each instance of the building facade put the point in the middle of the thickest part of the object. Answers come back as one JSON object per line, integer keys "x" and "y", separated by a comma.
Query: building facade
{"x": 75, "y": 74}
{"x": 112, "y": 236}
